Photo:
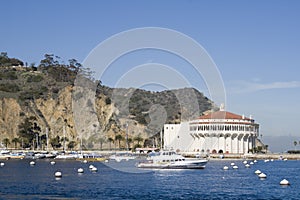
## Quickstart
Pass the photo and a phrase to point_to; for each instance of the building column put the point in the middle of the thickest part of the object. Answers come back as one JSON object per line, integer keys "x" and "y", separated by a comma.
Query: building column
{"x": 237, "y": 145}
{"x": 249, "y": 142}
{"x": 243, "y": 144}
{"x": 218, "y": 144}
{"x": 233, "y": 138}
{"x": 230, "y": 144}
{"x": 224, "y": 144}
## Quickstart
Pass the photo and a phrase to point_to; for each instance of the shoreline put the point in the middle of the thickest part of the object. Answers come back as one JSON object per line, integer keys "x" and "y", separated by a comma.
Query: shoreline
{"x": 274, "y": 156}
{"x": 249, "y": 156}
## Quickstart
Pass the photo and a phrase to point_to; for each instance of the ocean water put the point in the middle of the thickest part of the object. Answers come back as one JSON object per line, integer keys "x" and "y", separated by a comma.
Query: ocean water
{"x": 19, "y": 180}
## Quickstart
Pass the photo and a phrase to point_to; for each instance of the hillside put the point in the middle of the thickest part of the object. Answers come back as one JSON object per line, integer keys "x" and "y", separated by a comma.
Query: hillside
{"x": 37, "y": 101}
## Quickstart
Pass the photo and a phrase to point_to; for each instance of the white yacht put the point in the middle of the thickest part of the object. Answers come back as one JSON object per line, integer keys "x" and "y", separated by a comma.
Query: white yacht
{"x": 171, "y": 160}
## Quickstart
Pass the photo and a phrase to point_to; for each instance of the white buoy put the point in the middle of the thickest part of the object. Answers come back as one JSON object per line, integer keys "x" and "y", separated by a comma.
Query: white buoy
{"x": 32, "y": 163}
{"x": 91, "y": 166}
{"x": 58, "y": 174}
{"x": 225, "y": 168}
{"x": 262, "y": 175}
{"x": 284, "y": 182}
{"x": 285, "y": 159}
{"x": 247, "y": 165}
{"x": 267, "y": 160}
{"x": 80, "y": 170}
{"x": 245, "y": 162}
{"x": 232, "y": 164}
{"x": 106, "y": 161}
{"x": 251, "y": 163}
{"x": 235, "y": 167}
{"x": 257, "y": 172}
{"x": 255, "y": 161}
{"x": 94, "y": 169}
{"x": 52, "y": 162}
{"x": 85, "y": 161}
{"x": 2, "y": 164}
{"x": 272, "y": 160}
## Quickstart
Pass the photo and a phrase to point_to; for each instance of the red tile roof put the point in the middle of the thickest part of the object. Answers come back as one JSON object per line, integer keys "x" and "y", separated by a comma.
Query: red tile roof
{"x": 223, "y": 115}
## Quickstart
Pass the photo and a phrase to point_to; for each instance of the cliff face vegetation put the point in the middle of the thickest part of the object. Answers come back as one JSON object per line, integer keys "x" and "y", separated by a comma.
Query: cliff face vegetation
{"x": 44, "y": 103}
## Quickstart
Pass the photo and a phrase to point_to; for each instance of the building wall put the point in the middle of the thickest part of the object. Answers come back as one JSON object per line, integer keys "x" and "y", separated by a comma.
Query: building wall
{"x": 227, "y": 137}
{"x": 177, "y": 136}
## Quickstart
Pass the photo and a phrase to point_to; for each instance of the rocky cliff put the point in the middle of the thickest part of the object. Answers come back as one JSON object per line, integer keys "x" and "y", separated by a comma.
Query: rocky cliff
{"x": 45, "y": 101}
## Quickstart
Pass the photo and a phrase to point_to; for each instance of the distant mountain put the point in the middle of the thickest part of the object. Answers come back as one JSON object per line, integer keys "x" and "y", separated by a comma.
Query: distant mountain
{"x": 282, "y": 143}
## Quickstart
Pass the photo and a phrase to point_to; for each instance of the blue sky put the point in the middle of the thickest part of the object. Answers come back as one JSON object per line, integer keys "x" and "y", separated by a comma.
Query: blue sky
{"x": 255, "y": 45}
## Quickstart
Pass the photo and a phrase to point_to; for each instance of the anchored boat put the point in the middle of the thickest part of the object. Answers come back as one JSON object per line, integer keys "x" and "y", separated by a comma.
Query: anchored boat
{"x": 168, "y": 159}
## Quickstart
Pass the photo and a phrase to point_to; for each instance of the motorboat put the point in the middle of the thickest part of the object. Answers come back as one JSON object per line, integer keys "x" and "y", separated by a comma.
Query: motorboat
{"x": 122, "y": 156}
{"x": 67, "y": 156}
{"x": 39, "y": 155}
{"x": 91, "y": 157}
{"x": 4, "y": 155}
{"x": 17, "y": 155}
{"x": 169, "y": 159}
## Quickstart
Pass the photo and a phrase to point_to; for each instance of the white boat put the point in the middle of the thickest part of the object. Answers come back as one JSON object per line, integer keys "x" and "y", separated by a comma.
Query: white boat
{"x": 72, "y": 155}
{"x": 4, "y": 154}
{"x": 122, "y": 156}
{"x": 171, "y": 160}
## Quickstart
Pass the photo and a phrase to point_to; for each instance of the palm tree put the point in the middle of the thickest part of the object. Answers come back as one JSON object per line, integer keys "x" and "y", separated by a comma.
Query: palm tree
{"x": 295, "y": 144}
{"x": 64, "y": 140}
{"x": 71, "y": 145}
{"x": 266, "y": 146}
{"x": 119, "y": 138}
{"x": 15, "y": 141}
{"x": 138, "y": 139}
{"x": 6, "y": 142}
{"x": 101, "y": 141}
{"x": 129, "y": 141}
{"x": 110, "y": 140}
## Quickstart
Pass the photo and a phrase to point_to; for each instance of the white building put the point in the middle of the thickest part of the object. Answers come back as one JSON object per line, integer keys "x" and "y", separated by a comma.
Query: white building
{"x": 217, "y": 132}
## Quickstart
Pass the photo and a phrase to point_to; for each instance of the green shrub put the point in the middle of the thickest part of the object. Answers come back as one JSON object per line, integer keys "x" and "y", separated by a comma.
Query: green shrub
{"x": 9, "y": 87}
{"x": 34, "y": 78}
{"x": 108, "y": 101}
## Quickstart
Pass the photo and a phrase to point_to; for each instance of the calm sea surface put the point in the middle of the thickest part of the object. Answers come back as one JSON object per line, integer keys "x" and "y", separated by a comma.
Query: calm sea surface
{"x": 19, "y": 180}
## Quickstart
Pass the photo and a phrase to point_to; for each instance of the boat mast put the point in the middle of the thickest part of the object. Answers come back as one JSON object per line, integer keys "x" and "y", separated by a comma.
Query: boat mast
{"x": 81, "y": 145}
{"x": 127, "y": 146}
{"x": 161, "y": 139}
{"x": 37, "y": 142}
{"x": 47, "y": 139}
{"x": 64, "y": 131}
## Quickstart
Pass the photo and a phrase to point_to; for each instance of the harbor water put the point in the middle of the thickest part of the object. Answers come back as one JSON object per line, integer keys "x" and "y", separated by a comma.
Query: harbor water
{"x": 122, "y": 180}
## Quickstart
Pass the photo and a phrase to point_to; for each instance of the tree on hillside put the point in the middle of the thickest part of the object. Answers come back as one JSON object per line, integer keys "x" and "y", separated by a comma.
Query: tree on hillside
{"x": 101, "y": 141}
{"x": 28, "y": 130}
{"x": 71, "y": 145}
{"x": 138, "y": 139}
{"x": 15, "y": 141}
{"x": 295, "y": 144}
{"x": 110, "y": 140}
{"x": 129, "y": 141}
{"x": 64, "y": 140}
{"x": 49, "y": 60}
{"x": 6, "y": 142}
{"x": 74, "y": 65}
{"x": 43, "y": 140}
{"x": 266, "y": 147}
{"x": 5, "y": 61}
{"x": 119, "y": 138}
{"x": 55, "y": 142}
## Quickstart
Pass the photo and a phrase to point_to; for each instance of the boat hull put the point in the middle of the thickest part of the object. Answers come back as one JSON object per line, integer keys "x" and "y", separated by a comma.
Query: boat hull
{"x": 200, "y": 164}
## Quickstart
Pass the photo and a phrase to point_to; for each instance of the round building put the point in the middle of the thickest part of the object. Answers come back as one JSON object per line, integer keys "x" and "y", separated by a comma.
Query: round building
{"x": 217, "y": 132}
